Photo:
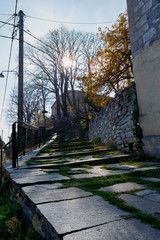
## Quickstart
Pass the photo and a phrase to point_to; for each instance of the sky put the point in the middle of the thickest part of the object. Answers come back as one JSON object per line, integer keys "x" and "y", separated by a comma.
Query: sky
{"x": 75, "y": 11}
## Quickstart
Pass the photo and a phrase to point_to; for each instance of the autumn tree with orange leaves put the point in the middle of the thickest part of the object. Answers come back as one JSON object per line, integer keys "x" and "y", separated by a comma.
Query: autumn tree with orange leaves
{"x": 111, "y": 69}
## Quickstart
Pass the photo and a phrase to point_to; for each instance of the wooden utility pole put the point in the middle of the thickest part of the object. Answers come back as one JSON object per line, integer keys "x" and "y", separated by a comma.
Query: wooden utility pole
{"x": 20, "y": 74}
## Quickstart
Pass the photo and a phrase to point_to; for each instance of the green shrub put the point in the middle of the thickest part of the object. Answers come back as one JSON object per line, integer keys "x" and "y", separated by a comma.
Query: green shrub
{"x": 96, "y": 140}
{"x": 13, "y": 225}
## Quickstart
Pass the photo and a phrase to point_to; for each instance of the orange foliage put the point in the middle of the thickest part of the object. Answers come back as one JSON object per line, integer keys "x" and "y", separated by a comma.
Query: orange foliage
{"x": 111, "y": 69}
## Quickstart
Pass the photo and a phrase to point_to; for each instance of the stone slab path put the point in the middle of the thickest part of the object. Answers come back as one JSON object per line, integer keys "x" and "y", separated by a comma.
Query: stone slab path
{"x": 55, "y": 195}
{"x": 78, "y": 214}
{"x": 122, "y": 187}
{"x": 130, "y": 229}
{"x": 153, "y": 196}
{"x": 151, "y": 179}
{"x": 70, "y": 213}
{"x": 145, "y": 205}
{"x": 39, "y": 178}
{"x": 41, "y": 187}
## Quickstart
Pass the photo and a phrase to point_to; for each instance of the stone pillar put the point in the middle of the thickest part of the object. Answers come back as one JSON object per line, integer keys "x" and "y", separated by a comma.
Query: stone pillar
{"x": 144, "y": 23}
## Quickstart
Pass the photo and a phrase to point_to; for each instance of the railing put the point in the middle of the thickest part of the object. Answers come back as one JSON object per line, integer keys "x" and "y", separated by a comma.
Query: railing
{"x": 25, "y": 137}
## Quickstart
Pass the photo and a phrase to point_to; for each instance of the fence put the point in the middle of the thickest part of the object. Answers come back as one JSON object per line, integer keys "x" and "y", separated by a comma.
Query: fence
{"x": 26, "y": 137}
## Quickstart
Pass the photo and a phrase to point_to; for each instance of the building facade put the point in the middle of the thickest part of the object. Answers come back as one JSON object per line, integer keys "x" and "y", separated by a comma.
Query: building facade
{"x": 144, "y": 23}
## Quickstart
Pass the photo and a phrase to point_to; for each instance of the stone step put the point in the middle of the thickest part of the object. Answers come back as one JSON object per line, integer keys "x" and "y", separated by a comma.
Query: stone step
{"x": 145, "y": 205}
{"x": 78, "y": 214}
{"x": 122, "y": 187}
{"x": 34, "y": 179}
{"x": 73, "y": 154}
{"x": 125, "y": 229}
{"x": 56, "y": 195}
{"x": 94, "y": 161}
{"x": 66, "y": 149}
{"x": 54, "y": 145}
{"x": 74, "y": 214}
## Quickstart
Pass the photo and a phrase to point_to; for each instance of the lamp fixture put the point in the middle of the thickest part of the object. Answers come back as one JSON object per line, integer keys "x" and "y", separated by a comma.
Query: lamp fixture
{"x": 1, "y": 75}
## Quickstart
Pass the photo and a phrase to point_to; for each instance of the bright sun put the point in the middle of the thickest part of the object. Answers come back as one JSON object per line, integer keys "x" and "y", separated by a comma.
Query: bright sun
{"x": 67, "y": 62}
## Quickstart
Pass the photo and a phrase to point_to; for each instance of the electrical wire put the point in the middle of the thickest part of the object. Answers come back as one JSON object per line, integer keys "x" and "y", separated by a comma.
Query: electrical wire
{"x": 7, "y": 22}
{"x": 2, "y": 36}
{"x": 15, "y": 14}
{"x": 5, "y": 14}
{"x": 34, "y": 47}
{"x": 9, "y": 61}
{"x": 10, "y": 120}
{"x": 32, "y": 35}
{"x": 49, "y": 20}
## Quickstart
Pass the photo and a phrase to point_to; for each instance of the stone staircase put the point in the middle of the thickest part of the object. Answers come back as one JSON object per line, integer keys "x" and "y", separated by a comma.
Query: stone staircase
{"x": 50, "y": 188}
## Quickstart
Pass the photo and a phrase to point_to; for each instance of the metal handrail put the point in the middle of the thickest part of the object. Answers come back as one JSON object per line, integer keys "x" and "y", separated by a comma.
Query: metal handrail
{"x": 27, "y": 137}
{"x": 20, "y": 143}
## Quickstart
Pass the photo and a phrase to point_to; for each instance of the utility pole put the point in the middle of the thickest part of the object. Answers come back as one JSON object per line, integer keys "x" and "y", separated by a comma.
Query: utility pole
{"x": 20, "y": 74}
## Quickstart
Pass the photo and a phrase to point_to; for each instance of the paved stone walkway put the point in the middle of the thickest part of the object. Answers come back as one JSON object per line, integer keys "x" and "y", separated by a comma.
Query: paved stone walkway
{"x": 145, "y": 205}
{"x": 122, "y": 187}
{"x": 130, "y": 229}
{"x": 74, "y": 214}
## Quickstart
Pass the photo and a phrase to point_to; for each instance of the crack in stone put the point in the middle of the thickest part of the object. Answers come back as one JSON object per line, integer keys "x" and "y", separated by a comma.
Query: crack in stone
{"x": 62, "y": 200}
{"x": 62, "y": 235}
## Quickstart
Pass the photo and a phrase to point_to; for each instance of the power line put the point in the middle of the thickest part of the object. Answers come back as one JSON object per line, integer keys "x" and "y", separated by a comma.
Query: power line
{"x": 49, "y": 20}
{"x": 2, "y": 36}
{"x": 25, "y": 42}
{"x": 31, "y": 34}
{"x": 35, "y": 47}
{"x": 9, "y": 124}
{"x": 7, "y": 22}
{"x": 5, "y": 14}
{"x": 15, "y": 14}
{"x": 16, "y": 7}
{"x": 9, "y": 61}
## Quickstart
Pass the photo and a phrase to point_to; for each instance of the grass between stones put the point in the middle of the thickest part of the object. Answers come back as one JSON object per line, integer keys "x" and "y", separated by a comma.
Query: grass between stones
{"x": 95, "y": 155}
{"x": 38, "y": 162}
{"x": 113, "y": 168}
{"x": 138, "y": 164}
{"x": 87, "y": 166}
{"x": 66, "y": 171}
{"x": 13, "y": 225}
{"x": 94, "y": 184}
{"x": 76, "y": 145}
{"x": 112, "y": 198}
{"x": 115, "y": 152}
{"x": 68, "y": 149}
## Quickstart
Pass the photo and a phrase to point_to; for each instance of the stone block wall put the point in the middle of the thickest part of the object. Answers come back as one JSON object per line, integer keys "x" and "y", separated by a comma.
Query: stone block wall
{"x": 144, "y": 22}
{"x": 114, "y": 124}
{"x": 144, "y": 25}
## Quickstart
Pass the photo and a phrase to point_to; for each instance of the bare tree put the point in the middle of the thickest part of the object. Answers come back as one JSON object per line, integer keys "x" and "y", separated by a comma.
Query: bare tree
{"x": 34, "y": 100}
{"x": 60, "y": 58}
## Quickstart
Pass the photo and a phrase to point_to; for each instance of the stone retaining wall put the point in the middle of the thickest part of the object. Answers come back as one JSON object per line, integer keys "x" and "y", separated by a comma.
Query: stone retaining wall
{"x": 114, "y": 124}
